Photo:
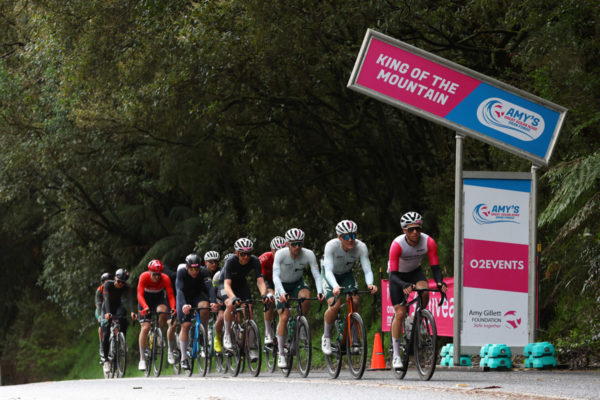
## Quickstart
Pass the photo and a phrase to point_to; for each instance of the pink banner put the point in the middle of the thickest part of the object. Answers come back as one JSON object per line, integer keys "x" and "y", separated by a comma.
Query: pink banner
{"x": 413, "y": 80}
{"x": 496, "y": 265}
{"x": 443, "y": 315}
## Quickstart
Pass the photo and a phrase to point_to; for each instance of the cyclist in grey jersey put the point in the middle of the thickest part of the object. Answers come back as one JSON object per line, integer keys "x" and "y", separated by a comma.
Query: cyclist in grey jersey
{"x": 340, "y": 256}
{"x": 288, "y": 269}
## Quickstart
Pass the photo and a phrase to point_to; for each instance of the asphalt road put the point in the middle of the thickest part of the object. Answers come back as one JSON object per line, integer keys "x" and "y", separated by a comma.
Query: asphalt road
{"x": 447, "y": 383}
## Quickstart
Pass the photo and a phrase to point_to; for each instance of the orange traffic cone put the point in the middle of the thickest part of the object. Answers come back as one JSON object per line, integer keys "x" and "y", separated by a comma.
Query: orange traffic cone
{"x": 377, "y": 359}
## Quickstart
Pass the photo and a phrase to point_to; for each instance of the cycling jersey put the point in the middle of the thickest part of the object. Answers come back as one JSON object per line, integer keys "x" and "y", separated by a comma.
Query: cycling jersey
{"x": 287, "y": 269}
{"x": 147, "y": 285}
{"x": 188, "y": 288}
{"x": 113, "y": 298}
{"x": 337, "y": 261}
{"x": 266, "y": 264}
{"x": 237, "y": 272}
{"x": 406, "y": 258}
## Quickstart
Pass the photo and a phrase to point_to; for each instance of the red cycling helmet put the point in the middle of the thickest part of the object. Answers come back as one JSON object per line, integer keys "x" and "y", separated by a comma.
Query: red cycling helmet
{"x": 155, "y": 266}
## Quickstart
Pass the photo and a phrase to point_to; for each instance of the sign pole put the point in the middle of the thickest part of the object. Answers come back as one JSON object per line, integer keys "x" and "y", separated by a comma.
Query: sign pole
{"x": 458, "y": 219}
{"x": 532, "y": 255}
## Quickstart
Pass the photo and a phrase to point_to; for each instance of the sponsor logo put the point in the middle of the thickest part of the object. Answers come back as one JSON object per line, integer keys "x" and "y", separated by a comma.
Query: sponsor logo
{"x": 484, "y": 214}
{"x": 511, "y": 319}
{"x": 510, "y": 119}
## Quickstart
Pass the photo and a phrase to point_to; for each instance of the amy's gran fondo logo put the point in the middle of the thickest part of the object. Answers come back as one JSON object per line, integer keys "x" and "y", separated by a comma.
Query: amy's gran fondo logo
{"x": 484, "y": 214}
{"x": 511, "y": 119}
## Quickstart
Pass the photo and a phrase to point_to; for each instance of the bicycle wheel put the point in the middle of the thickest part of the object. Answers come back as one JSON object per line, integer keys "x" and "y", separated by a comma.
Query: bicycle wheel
{"x": 356, "y": 346}
{"x": 403, "y": 353}
{"x": 177, "y": 353}
{"x": 234, "y": 356}
{"x": 157, "y": 351}
{"x": 148, "y": 353}
{"x": 202, "y": 354}
{"x": 303, "y": 346}
{"x": 111, "y": 358}
{"x": 334, "y": 360}
{"x": 189, "y": 351}
{"x": 121, "y": 355}
{"x": 270, "y": 350}
{"x": 425, "y": 342}
{"x": 253, "y": 348}
{"x": 289, "y": 356}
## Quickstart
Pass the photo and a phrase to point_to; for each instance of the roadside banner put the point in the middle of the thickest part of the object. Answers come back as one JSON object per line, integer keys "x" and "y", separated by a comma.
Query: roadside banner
{"x": 443, "y": 315}
{"x": 454, "y": 96}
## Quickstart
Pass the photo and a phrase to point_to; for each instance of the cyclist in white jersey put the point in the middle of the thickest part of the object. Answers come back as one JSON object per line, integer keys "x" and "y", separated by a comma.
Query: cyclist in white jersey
{"x": 406, "y": 253}
{"x": 288, "y": 269}
{"x": 340, "y": 256}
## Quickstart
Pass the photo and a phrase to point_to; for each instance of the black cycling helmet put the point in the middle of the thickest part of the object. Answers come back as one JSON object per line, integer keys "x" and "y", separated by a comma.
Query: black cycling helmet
{"x": 193, "y": 261}
{"x": 122, "y": 274}
{"x": 105, "y": 277}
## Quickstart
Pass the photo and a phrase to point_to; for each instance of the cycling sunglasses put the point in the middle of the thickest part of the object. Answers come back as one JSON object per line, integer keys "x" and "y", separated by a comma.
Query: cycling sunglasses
{"x": 349, "y": 236}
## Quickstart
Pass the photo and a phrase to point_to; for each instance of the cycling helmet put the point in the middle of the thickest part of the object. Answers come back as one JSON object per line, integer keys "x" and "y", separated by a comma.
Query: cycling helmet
{"x": 345, "y": 226}
{"x": 411, "y": 218}
{"x": 211, "y": 256}
{"x": 228, "y": 256}
{"x": 294, "y": 235}
{"x": 193, "y": 261}
{"x": 277, "y": 243}
{"x": 105, "y": 277}
{"x": 122, "y": 274}
{"x": 243, "y": 245}
{"x": 155, "y": 266}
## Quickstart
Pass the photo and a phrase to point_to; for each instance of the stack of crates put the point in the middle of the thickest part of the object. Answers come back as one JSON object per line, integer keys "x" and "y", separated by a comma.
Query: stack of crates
{"x": 447, "y": 357}
{"x": 495, "y": 356}
{"x": 539, "y": 355}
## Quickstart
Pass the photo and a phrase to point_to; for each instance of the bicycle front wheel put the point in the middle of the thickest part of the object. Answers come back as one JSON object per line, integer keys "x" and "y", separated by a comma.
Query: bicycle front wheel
{"x": 253, "y": 348}
{"x": 334, "y": 360}
{"x": 356, "y": 346}
{"x": 425, "y": 341}
{"x": 121, "y": 355}
{"x": 303, "y": 347}
{"x": 202, "y": 354}
{"x": 188, "y": 353}
{"x": 157, "y": 351}
{"x": 402, "y": 353}
{"x": 234, "y": 356}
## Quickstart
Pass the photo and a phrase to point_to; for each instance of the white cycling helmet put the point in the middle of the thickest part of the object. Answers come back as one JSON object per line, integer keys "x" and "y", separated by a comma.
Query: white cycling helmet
{"x": 278, "y": 242}
{"x": 294, "y": 235}
{"x": 244, "y": 245}
{"x": 345, "y": 226}
{"x": 211, "y": 256}
{"x": 411, "y": 218}
{"x": 228, "y": 256}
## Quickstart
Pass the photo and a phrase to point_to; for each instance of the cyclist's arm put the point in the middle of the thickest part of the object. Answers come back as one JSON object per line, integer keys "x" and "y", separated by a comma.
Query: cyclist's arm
{"x": 98, "y": 299}
{"x": 314, "y": 269}
{"x": 228, "y": 289}
{"x": 277, "y": 273}
{"x": 106, "y": 303}
{"x": 179, "y": 284}
{"x": 169, "y": 289}
{"x": 328, "y": 266}
{"x": 434, "y": 261}
{"x": 212, "y": 298}
{"x": 140, "y": 290}
{"x": 365, "y": 263}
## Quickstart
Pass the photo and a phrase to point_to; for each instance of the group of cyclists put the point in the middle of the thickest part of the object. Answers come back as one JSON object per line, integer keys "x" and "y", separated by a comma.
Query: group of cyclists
{"x": 199, "y": 285}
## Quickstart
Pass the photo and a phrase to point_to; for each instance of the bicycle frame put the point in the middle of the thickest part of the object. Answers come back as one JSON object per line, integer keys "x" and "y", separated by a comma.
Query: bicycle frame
{"x": 293, "y": 343}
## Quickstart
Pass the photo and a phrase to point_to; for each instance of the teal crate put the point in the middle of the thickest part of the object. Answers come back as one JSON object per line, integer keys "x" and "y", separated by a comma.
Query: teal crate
{"x": 447, "y": 349}
{"x": 499, "y": 350}
{"x": 484, "y": 350}
{"x": 448, "y": 361}
{"x": 540, "y": 362}
{"x": 499, "y": 362}
{"x": 484, "y": 361}
{"x": 543, "y": 349}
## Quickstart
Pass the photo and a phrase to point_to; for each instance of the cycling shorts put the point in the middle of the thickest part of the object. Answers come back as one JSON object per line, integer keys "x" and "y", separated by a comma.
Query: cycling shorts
{"x": 397, "y": 292}
{"x": 153, "y": 300}
{"x": 292, "y": 289}
{"x": 195, "y": 303}
{"x": 346, "y": 281}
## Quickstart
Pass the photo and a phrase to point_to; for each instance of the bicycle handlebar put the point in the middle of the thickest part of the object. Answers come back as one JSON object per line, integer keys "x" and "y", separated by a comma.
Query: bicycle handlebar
{"x": 419, "y": 291}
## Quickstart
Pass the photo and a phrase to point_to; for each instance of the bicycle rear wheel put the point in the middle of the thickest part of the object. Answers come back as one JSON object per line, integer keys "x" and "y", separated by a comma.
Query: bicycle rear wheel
{"x": 303, "y": 346}
{"x": 188, "y": 353}
{"x": 334, "y": 360}
{"x": 157, "y": 352}
{"x": 121, "y": 355}
{"x": 177, "y": 353}
{"x": 252, "y": 347}
{"x": 425, "y": 341}
{"x": 202, "y": 354}
{"x": 148, "y": 353}
{"x": 403, "y": 353}
{"x": 234, "y": 356}
{"x": 356, "y": 346}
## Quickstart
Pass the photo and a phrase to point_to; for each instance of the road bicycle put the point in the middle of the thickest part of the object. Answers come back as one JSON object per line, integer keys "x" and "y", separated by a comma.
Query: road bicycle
{"x": 348, "y": 338}
{"x": 117, "y": 351}
{"x": 422, "y": 341}
{"x": 245, "y": 340}
{"x": 153, "y": 354}
{"x": 197, "y": 348}
{"x": 219, "y": 357}
{"x": 298, "y": 340}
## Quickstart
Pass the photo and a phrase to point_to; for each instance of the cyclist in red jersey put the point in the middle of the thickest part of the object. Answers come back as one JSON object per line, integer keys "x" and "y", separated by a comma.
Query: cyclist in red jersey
{"x": 266, "y": 265}
{"x": 151, "y": 296}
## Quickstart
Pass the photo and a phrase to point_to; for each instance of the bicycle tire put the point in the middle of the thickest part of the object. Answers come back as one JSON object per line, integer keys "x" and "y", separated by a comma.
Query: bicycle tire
{"x": 121, "y": 355}
{"x": 425, "y": 344}
{"x": 190, "y": 351}
{"x": 177, "y": 353}
{"x": 110, "y": 358}
{"x": 356, "y": 346}
{"x": 334, "y": 360}
{"x": 234, "y": 356}
{"x": 202, "y": 354}
{"x": 252, "y": 348}
{"x": 157, "y": 352}
{"x": 289, "y": 356}
{"x": 271, "y": 350}
{"x": 148, "y": 353}
{"x": 303, "y": 346}
{"x": 399, "y": 373}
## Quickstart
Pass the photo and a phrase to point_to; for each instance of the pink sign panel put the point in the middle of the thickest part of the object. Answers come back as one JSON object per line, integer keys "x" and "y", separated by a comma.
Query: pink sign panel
{"x": 413, "y": 80}
{"x": 443, "y": 314}
{"x": 496, "y": 265}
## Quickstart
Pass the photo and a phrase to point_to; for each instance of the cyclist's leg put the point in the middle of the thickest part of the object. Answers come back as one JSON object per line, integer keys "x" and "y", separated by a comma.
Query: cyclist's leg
{"x": 204, "y": 314}
{"x": 304, "y": 292}
{"x": 284, "y": 316}
{"x": 105, "y": 337}
{"x": 269, "y": 315}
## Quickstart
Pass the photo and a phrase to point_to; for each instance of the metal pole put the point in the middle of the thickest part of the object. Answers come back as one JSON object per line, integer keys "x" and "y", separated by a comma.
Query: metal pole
{"x": 532, "y": 303}
{"x": 458, "y": 276}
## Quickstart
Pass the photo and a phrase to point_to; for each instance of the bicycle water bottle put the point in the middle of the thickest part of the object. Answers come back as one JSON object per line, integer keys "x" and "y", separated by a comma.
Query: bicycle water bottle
{"x": 408, "y": 323}
{"x": 340, "y": 327}
{"x": 291, "y": 326}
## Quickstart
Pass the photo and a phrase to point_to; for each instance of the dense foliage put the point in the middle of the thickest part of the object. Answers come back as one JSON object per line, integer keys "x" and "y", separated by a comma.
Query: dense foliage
{"x": 139, "y": 129}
